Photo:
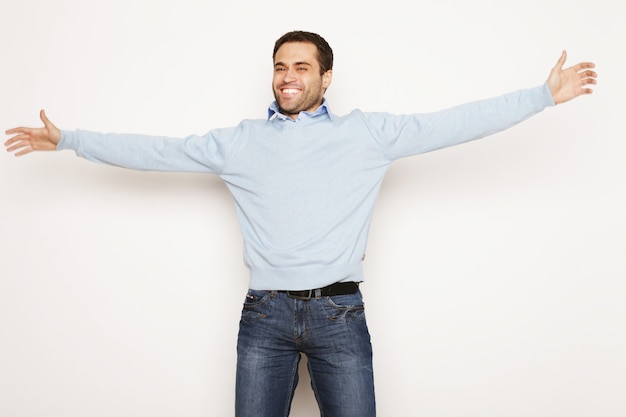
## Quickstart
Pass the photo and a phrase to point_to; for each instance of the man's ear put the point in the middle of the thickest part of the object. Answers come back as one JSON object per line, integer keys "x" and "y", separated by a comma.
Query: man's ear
{"x": 327, "y": 78}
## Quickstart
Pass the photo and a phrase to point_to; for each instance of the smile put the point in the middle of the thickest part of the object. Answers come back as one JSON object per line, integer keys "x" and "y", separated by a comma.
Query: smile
{"x": 290, "y": 91}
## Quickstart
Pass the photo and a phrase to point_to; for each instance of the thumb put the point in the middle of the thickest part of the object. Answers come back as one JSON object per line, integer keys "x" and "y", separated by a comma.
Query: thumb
{"x": 54, "y": 134}
{"x": 561, "y": 60}
{"x": 44, "y": 118}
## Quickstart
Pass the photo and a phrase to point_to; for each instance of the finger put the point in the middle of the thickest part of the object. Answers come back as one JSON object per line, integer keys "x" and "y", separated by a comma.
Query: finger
{"x": 584, "y": 65}
{"x": 561, "y": 61}
{"x": 26, "y": 150}
{"x": 44, "y": 118}
{"x": 16, "y": 138}
{"x": 587, "y": 81}
{"x": 14, "y": 147}
{"x": 16, "y": 130}
{"x": 588, "y": 74}
{"x": 21, "y": 147}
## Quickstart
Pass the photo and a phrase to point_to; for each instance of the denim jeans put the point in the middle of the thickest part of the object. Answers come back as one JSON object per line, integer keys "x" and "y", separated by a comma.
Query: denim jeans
{"x": 331, "y": 331}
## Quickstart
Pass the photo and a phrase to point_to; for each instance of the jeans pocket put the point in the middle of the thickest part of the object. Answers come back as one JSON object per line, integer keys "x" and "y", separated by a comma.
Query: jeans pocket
{"x": 257, "y": 305}
{"x": 343, "y": 308}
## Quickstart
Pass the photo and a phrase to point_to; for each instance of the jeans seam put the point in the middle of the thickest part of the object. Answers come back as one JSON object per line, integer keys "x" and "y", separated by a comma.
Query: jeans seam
{"x": 314, "y": 387}
{"x": 292, "y": 385}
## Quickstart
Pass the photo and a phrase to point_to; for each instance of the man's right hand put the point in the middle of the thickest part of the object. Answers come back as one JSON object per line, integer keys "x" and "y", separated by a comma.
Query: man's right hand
{"x": 27, "y": 139}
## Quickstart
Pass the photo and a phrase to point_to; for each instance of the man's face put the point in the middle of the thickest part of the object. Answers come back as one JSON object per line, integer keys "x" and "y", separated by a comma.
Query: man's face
{"x": 298, "y": 85}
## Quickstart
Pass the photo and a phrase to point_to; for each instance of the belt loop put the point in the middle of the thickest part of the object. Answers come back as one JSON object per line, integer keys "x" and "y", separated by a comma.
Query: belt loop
{"x": 318, "y": 293}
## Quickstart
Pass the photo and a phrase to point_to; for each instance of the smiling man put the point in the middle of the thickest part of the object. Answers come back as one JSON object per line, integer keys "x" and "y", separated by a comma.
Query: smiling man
{"x": 305, "y": 182}
{"x": 301, "y": 74}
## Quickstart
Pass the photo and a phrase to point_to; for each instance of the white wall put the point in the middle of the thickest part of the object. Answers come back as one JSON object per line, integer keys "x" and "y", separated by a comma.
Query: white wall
{"x": 495, "y": 269}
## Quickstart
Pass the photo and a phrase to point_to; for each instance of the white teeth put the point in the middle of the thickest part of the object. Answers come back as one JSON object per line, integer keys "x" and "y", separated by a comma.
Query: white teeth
{"x": 290, "y": 91}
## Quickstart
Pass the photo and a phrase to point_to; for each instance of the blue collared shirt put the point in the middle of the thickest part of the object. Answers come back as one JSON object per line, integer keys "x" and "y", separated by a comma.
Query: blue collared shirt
{"x": 274, "y": 112}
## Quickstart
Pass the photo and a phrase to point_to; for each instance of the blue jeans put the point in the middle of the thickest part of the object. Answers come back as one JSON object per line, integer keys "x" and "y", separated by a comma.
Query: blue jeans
{"x": 331, "y": 331}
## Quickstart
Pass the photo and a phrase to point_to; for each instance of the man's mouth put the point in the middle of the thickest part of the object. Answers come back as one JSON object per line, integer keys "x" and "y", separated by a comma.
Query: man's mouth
{"x": 290, "y": 91}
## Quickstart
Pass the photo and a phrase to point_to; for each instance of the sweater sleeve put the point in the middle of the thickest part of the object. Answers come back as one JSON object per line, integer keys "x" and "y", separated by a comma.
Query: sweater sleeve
{"x": 206, "y": 153}
{"x": 405, "y": 135}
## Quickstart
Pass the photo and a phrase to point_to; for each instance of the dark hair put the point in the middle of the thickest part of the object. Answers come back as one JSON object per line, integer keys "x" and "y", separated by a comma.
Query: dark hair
{"x": 324, "y": 51}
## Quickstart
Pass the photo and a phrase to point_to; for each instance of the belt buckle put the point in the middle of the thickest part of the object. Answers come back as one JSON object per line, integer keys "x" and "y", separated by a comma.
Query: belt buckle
{"x": 294, "y": 295}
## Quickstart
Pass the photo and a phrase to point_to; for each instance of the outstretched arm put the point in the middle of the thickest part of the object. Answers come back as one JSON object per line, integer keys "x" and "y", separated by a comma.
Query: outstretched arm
{"x": 195, "y": 153}
{"x": 29, "y": 139}
{"x": 569, "y": 83}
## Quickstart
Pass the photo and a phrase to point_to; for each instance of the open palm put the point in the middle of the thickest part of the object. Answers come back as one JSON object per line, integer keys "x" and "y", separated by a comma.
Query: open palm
{"x": 28, "y": 139}
{"x": 566, "y": 84}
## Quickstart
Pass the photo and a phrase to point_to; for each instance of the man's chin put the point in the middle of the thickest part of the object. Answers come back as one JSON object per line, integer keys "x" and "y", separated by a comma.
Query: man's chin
{"x": 288, "y": 111}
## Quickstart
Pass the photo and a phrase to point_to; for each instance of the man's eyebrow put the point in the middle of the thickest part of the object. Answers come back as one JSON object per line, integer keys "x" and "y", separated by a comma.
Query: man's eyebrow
{"x": 282, "y": 64}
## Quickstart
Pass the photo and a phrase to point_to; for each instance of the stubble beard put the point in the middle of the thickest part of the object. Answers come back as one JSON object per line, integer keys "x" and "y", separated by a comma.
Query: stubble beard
{"x": 307, "y": 102}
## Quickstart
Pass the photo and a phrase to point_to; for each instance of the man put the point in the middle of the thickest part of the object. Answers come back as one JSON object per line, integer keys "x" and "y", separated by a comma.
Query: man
{"x": 305, "y": 181}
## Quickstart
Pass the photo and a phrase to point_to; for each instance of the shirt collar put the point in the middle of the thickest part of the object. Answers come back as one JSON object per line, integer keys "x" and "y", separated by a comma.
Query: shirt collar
{"x": 274, "y": 112}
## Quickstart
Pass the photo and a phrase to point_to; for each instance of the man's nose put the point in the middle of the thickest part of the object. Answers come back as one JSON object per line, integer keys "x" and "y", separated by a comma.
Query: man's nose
{"x": 290, "y": 75}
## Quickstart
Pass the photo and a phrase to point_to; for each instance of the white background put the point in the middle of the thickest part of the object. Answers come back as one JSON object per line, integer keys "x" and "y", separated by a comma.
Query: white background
{"x": 495, "y": 269}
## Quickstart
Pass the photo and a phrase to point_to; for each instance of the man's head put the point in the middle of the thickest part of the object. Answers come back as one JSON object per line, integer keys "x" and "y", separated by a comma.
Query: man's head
{"x": 303, "y": 63}
{"x": 324, "y": 51}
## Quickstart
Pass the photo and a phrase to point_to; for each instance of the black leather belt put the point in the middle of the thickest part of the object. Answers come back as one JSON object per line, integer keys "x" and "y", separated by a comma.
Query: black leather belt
{"x": 338, "y": 288}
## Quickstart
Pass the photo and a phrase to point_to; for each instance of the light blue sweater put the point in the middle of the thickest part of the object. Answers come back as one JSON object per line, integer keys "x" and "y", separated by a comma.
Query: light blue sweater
{"x": 305, "y": 190}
